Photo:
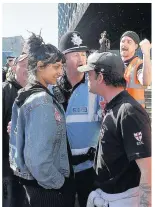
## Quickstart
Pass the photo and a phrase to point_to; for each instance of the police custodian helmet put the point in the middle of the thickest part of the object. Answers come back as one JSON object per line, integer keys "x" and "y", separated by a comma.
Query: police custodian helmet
{"x": 72, "y": 42}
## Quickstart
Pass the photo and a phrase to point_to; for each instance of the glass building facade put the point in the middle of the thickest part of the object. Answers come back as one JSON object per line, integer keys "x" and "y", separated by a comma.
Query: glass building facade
{"x": 65, "y": 14}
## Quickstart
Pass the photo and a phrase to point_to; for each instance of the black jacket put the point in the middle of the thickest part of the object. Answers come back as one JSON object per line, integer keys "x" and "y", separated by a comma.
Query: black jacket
{"x": 10, "y": 89}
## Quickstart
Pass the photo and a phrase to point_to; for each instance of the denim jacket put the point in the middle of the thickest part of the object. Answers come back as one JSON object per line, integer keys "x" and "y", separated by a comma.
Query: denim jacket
{"x": 38, "y": 149}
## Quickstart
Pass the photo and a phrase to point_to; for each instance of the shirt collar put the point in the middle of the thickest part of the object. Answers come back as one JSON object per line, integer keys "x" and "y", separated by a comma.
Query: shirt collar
{"x": 129, "y": 60}
{"x": 115, "y": 100}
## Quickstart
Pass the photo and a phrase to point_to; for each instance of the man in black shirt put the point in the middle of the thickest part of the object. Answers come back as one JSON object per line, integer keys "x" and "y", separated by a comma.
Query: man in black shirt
{"x": 122, "y": 162}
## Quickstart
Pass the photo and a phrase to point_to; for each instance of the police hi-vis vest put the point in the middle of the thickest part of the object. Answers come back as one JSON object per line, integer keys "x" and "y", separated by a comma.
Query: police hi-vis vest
{"x": 83, "y": 123}
{"x": 134, "y": 88}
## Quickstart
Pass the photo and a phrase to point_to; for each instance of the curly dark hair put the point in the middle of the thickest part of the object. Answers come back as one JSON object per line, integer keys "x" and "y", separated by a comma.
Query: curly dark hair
{"x": 112, "y": 78}
{"x": 39, "y": 51}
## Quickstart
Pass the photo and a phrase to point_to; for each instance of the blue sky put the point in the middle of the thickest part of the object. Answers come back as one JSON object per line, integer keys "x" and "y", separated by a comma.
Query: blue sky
{"x": 17, "y": 18}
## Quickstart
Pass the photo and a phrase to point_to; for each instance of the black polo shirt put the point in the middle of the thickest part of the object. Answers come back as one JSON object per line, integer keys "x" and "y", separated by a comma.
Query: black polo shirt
{"x": 124, "y": 137}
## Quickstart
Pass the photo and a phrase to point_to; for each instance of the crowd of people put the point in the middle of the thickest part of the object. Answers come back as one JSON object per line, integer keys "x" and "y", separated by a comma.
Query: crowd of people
{"x": 75, "y": 127}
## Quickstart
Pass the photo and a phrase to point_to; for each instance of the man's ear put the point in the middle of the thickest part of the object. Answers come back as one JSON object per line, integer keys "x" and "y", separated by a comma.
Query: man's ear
{"x": 100, "y": 78}
{"x": 136, "y": 46}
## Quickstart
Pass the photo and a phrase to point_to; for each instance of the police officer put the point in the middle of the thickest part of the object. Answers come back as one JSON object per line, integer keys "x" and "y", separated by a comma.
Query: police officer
{"x": 123, "y": 158}
{"x": 81, "y": 114}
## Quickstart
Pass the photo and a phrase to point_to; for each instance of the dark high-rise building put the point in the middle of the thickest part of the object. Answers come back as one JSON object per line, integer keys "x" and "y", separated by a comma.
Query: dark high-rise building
{"x": 115, "y": 18}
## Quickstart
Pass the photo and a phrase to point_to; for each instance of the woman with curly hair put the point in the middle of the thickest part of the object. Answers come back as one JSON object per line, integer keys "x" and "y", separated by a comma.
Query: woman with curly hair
{"x": 38, "y": 144}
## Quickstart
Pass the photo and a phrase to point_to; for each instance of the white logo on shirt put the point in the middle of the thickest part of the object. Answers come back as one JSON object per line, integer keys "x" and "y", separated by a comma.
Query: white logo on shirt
{"x": 138, "y": 137}
{"x": 81, "y": 109}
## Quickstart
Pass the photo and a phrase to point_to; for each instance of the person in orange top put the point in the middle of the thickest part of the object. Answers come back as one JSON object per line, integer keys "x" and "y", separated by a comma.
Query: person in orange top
{"x": 137, "y": 71}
